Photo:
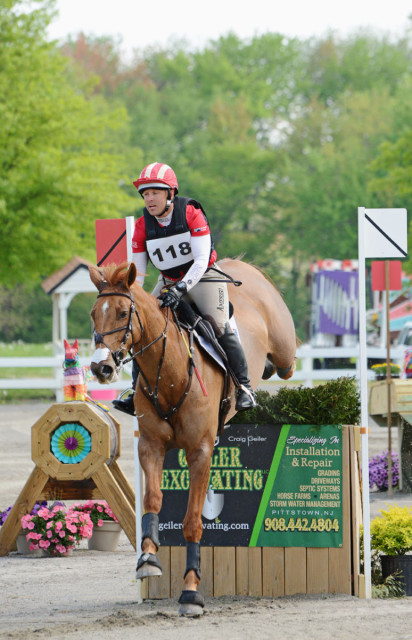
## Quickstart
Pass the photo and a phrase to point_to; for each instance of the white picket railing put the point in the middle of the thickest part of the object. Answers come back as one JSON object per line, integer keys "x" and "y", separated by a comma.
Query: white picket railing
{"x": 305, "y": 375}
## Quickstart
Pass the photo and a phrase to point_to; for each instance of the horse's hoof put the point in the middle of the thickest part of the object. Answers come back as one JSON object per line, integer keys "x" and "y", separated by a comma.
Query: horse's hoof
{"x": 148, "y": 566}
{"x": 190, "y": 610}
{"x": 191, "y": 603}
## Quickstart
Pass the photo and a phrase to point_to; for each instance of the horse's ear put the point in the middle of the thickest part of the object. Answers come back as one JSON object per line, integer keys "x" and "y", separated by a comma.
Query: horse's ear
{"x": 131, "y": 274}
{"x": 97, "y": 278}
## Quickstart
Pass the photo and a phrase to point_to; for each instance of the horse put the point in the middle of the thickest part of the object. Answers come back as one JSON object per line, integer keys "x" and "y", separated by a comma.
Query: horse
{"x": 174, "y": 409}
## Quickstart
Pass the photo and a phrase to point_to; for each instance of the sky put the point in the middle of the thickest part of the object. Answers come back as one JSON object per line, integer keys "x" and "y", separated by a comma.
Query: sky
{"x": 144, "y": 23}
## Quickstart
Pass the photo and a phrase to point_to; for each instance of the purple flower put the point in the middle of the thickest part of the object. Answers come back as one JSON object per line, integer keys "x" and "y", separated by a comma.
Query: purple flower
{"x": 378, "y": 470}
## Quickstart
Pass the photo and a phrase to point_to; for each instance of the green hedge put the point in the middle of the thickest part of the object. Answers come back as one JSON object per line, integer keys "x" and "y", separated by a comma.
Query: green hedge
{"x": 335, "y": 402}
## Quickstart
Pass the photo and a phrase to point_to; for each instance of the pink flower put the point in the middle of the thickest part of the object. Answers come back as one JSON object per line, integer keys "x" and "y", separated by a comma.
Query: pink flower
{"x": 44, "y": 513}
{"x": 44, "y": 544}
{"x": 100, "y": 523}
{"x": 49, "y": 524}
{"x": 62, "y": 533}
{"x": 60, "y": 548}
{"x": 99, "y": 508}
{"x": 58, "y": 526}
{"x": 49, "y": 534}
{"x": 30, "y": 525}
{"x": 33, "y": 546}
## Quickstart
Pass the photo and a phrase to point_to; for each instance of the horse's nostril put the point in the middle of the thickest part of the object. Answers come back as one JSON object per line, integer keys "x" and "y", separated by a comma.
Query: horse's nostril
{"x": 106, "y": 370}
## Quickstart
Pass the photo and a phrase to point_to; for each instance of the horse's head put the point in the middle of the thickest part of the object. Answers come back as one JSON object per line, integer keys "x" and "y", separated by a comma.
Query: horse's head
{"x": 113, "y": 314}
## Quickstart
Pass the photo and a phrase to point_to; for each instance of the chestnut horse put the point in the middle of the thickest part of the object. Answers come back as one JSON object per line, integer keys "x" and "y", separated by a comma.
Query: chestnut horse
{"x": 171, "y": 406}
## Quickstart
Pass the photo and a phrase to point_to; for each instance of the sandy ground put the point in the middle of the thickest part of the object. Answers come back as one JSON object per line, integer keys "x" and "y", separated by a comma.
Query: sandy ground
{"x": 94, "y": 595}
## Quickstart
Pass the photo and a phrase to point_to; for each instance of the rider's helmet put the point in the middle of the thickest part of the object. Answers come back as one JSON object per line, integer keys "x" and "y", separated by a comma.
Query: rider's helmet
{"x": 156, "y": 176}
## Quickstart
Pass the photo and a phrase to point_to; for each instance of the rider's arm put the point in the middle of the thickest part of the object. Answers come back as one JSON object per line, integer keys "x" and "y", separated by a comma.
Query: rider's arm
{"x": 201, "y": 254}
{"x": 200, "y": 241}
{"x": 139, "y": 254}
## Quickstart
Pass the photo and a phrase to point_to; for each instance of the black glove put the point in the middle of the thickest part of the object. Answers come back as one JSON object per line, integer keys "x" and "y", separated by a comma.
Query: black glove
{"x": 172, "y": 296}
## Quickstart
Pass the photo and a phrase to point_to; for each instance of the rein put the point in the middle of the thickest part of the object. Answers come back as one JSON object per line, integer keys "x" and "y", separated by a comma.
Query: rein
{"x": 152, "y": 395}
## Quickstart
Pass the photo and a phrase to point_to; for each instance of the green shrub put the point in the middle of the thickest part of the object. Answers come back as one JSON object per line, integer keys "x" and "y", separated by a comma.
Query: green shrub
{"x": 391, "y": 533}
{"x": 335, "y": 402}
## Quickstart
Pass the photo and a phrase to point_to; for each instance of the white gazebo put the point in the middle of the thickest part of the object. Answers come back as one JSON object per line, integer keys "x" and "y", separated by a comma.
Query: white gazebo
{"x": 63, "y": 285}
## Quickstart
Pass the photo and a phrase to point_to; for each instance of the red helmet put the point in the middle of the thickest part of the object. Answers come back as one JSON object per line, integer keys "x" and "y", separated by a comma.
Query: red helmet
{"x": 158, "y": 176}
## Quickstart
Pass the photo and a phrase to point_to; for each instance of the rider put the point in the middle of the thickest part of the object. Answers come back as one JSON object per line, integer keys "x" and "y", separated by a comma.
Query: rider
{"x": 173, "y": 233}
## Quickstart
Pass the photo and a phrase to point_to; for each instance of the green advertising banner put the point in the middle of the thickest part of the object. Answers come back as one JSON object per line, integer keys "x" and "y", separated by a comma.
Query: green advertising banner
{"x": 301, "y": 505}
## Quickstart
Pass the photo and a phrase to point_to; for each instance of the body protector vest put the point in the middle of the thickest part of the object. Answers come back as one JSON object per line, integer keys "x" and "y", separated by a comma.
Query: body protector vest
{"x": 169, "y": 248}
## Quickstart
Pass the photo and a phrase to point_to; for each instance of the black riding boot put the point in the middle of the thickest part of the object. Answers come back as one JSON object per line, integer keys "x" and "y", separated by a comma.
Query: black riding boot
{"x": 127, "y": 406}
{"x": 229, "y": 342}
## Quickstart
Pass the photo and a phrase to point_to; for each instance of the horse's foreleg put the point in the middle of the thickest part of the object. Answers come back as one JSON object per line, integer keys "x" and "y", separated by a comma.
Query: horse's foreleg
{"x": 151, "y": 456}
{"x": 192, "y": 602}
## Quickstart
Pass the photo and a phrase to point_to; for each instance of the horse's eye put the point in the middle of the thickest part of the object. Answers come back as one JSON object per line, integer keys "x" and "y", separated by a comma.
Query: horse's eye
{"x": 123, "y": 314}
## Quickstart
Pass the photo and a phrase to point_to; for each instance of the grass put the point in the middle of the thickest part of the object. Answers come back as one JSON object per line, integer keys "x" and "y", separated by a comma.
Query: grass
{"x": 19, "y": 350}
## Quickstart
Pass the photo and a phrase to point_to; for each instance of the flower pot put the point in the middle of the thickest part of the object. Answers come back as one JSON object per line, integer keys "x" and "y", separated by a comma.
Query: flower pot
{"x": 23, "y": 546}
{"x": 106, "y": 537}
{"x": 403, "y": 564}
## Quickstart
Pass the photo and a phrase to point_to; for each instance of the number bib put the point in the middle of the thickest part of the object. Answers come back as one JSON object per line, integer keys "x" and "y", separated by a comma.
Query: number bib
{"x": 170, "y": 252}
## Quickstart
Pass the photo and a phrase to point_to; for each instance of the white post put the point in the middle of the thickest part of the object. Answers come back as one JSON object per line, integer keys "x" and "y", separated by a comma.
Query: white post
{"x": 364, "y": 402}
{"x": 138, "y": 500}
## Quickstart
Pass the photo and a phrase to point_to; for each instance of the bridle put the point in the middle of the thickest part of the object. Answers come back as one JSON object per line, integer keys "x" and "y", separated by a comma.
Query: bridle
{"x": 128, "y": 329}
{"x": 120, "y": 361}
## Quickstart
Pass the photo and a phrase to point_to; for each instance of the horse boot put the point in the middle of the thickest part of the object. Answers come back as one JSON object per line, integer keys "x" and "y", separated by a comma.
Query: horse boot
{"x": 127, "y": 406}
{"x": 245, "y": 398}
{"x": 148, "y": 564}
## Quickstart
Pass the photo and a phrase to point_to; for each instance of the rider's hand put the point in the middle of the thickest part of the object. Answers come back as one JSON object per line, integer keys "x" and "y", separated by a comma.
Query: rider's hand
{"x": 172, "y": 296}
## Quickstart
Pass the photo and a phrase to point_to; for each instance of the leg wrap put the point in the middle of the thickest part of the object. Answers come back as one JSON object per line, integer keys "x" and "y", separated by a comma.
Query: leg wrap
{"x": 150, "y": 528}
{"x": 192, "y": 558}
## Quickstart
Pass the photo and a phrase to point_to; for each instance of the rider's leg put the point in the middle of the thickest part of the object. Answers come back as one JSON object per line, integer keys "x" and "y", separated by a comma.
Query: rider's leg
{"x": 212, "y": 300}
{"x": 127, "y": 406}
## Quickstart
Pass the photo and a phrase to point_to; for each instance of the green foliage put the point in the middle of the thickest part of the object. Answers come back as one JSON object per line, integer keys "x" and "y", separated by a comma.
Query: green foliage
{"x": 391, "y": 533}
{"x": 335, "y": 402}
{"x": 26, "y": 314}
{"x": 58, "y": 171}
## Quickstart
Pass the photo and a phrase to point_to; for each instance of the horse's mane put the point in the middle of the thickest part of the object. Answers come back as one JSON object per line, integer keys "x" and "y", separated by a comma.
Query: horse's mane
{"x": 114, "y": 274}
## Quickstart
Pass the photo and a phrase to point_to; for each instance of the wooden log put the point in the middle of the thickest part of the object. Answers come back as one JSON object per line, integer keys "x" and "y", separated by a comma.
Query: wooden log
{"x": 117, "y": 501}
{"x": 24, "y": 504}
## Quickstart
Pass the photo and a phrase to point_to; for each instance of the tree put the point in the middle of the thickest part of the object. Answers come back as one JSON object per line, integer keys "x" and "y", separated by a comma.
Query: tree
{"x": 59, "y": 169}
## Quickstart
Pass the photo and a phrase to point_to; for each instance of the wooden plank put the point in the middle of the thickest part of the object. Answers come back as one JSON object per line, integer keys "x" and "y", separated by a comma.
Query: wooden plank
{"x": 255, "y": 571}
{"x": 242, "y": 571}
{"x": 317, "y": 560}
{"x": 206, "y": 571}
{"x": 225, "y": 571}
{"x": 273, "y": 572}
{"x": 123, "y": 483}
{"x": 295, "y": 570}
{"x": 24, "y": 504}
{"x": 159, "y": 586}
{"x": 355, "y": 509}
{"x": 117, "y": 501}
{"x": 177, "y": 570}
{"x": 340, "y": 559}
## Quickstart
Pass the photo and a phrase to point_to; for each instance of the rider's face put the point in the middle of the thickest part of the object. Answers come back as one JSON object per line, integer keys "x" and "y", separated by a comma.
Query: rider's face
{"x": 155, "y": 201}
